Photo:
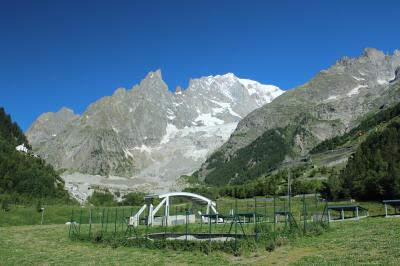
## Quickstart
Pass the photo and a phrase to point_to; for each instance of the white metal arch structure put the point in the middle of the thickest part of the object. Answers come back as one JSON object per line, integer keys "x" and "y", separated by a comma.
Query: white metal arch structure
{"x": 211, "y": 206}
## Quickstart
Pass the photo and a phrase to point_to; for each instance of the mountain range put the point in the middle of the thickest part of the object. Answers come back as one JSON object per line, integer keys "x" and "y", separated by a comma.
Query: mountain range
{"x": 147, "y": 135}
{"x": 222, "y": 129}
{"x": 330, "y": 104}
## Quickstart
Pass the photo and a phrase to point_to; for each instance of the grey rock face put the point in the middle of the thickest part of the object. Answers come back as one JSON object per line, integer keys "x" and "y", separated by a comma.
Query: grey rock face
{"x": 148, "y": 132}
{"x": 328, "y": 105}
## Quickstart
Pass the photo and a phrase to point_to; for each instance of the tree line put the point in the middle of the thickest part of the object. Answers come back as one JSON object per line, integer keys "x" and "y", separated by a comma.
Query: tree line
{"x": 23, "y": 177}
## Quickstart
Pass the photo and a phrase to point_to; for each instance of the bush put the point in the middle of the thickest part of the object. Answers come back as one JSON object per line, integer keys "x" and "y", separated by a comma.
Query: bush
{"x": 133, "y": 199}
{"x": 5, "y": 205}
{"x": 102, "y": 198}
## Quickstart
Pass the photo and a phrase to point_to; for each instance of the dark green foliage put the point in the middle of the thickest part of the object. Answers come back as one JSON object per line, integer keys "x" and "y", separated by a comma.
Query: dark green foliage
{"x": 10, "y": 130}
{"x": 102, "y": 198}
{"x": 250, "y": 162}
{"x": 209, "y": 192}
{"x": 275, "y": 184}
{"x": 133, "y": 199}
{"x": 39, "y": 206}
{"x": 333, "y": 187}
{"x": 23, "y": 176}
{"x": 306, "y": 186}
{"x": 366, "y": 125}
{"x": 331, "y": 144}
{"x": 5, "y": 203}
{"x": 373, "y": 172}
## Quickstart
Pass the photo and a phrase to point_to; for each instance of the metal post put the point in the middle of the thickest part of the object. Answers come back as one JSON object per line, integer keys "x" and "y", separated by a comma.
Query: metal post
{"x": 80, "y": 222}
{"x": 122, "y": 220}
{"x": 265, "y": 209}
{"x": 342, "y": 214}
{"x": 41, "y": 220}
{"x": 304, "y": 213}
{"x": 70, "y": 223}
{"x": 255, "y": 212}
{"x": 166, "y": 211}
{"x": 102, "y": 220}
{"x": 216, "y": 216}
{"x": 255, "y": 217}
{"x": 284, "y": 210}
{"x": 236, "y": 220}
{"x": 115, "y": 221}
{"x": 316, "y": 203}
{"x": 289, "y": 192}
{"x": 386, "y": 210}
{"x": 187, "y": 215}
{"x": 209, "y": 233}
{"x": 357, "y": 213}
{"x": 107, "y": 220}
{"x": 201, "y": 219}
{"x": 274, "y": 214}
{"x": 90, "y": 222}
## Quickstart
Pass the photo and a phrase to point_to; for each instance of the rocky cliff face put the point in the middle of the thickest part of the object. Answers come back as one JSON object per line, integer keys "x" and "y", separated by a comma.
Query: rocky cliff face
{"x": 148, "y": 132}
{"x": 329, "y": 104}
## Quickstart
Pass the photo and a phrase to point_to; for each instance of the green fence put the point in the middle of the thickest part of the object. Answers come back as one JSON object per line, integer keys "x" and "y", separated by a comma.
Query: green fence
{"x": 239, "y": 223}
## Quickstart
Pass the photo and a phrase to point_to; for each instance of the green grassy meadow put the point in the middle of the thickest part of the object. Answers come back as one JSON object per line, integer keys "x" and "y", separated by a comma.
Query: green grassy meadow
{"x": 370, "y": 241}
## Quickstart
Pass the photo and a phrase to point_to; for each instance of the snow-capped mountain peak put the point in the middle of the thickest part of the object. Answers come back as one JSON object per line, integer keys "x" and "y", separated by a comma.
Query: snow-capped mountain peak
{"x": 149, "y": 132}
{"x": 261, "y": 92}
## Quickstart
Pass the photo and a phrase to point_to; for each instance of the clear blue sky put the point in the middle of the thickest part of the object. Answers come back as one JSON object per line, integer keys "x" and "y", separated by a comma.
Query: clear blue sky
{"x": 71, "y": 53}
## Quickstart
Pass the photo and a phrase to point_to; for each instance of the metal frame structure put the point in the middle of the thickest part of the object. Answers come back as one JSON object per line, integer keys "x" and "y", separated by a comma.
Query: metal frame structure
{"x": 165, "y": 201}
{"x": 395, "y": 204}
{"x": 342, "y": 208}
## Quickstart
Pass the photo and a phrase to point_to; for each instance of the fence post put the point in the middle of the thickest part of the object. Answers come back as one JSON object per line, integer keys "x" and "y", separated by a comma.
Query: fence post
{"x": 176, "y": 215}
{"x": 80, "y": 221}
{"x": 102, "y": 221}
{"x": 70, "y": 223}
{"x": 255, "y": 217}
{"x": 186, "y": 229}
{"x": 115, "y": 221}
{"x": 122, "y": 220}
{"x": 209, "y": 232}
{"x": 274, "y": 217}
{"x": 329, "y": 215}
{"x": 90, "y": 222}
{"x": 265, "y": 209}
{"x": 236, "y": 218}
{"x": 201, "y": 219}
{"x": 107, "y": 220}
{"x": 304, "y": 213}
{"x": 284, "y": 209}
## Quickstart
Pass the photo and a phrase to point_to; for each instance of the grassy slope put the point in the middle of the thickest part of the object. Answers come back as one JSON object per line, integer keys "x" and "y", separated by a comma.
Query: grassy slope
{"x": 369, "y": 241}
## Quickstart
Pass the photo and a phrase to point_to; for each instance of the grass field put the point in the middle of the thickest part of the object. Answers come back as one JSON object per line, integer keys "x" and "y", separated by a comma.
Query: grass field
{"x": 370, "y": 241}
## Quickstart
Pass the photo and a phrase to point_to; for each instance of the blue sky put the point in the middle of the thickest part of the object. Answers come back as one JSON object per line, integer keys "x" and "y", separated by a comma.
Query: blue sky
{"x": 71, "y": 53}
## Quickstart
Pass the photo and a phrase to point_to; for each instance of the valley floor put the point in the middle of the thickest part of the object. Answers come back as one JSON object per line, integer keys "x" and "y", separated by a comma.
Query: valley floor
{"x": 369, "y": 241}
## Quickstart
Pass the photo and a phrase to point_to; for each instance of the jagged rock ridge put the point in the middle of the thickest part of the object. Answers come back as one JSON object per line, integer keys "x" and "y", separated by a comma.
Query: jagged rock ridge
{"x": 328, "y": 105}
{"x": 149, "y": 133}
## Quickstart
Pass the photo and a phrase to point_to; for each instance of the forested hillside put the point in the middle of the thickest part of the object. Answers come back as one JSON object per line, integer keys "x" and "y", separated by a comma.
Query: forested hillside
{"x": 365, "y": 125}
{"x": 373, "y": 172}
{"x": 251, "y": 162}
{"x": 23, "y": 176}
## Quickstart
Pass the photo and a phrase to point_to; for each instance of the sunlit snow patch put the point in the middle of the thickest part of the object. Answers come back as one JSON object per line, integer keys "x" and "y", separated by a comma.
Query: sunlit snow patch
{"x": 356, "y": 90}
